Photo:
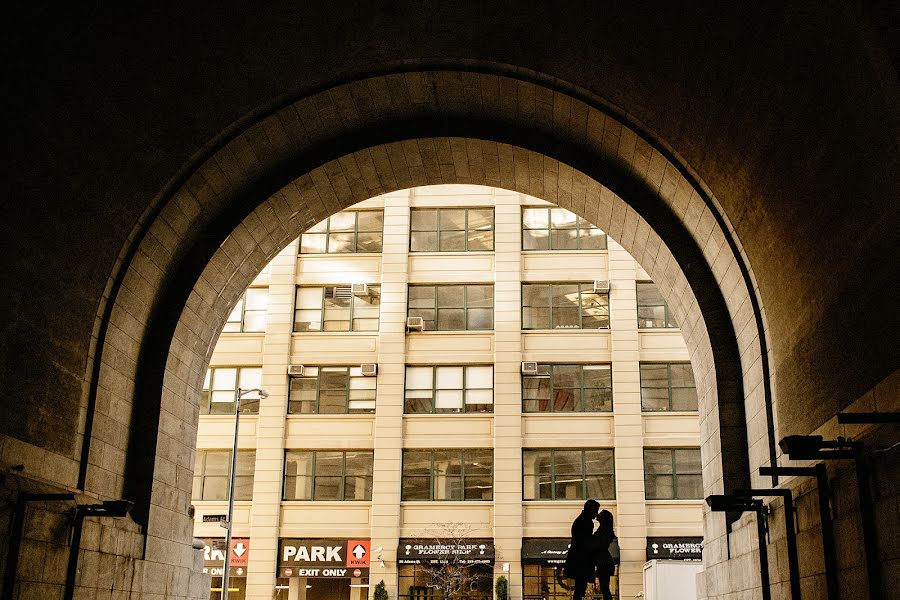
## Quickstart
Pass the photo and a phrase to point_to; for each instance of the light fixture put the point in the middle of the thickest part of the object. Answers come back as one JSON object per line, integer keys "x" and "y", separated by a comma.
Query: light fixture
{"x": 740, "y": 504}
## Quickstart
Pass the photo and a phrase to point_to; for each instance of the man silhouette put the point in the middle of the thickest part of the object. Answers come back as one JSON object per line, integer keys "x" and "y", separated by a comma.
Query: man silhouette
{"x": 580, "y": 559}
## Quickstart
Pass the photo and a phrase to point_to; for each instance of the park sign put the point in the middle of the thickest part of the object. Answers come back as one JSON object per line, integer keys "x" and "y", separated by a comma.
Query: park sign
{"x": 303, "y": 557}
{"x": 675, "y": 548}
{"x": 475, "y": 551}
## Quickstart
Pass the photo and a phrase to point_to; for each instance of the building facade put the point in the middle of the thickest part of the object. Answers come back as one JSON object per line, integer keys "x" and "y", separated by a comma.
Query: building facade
{"x": 438, "y": 392}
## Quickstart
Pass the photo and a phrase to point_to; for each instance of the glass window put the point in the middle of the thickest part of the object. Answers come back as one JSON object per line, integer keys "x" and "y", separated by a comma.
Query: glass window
{"x": 350, "y": 231}
{"x": 328, "y": 474}
{"x": 249, "y": 314}
{"x": 336, "y": 308}
{"x": 563, "y": 306}
{"x": 212, "y": 469}
{"x": 568, "y": 388}
{"x": 653, "y": 312}
{"x": 451, "y": 229}
{"x": 449, "y": 389}
{"x": 672, "y": 473}
{"x": 473, "y": 582}
{"x": 220, "y": 389}
{"x": 540, "y": 582}
{"x": 331, "y": 390}
{"x": 453, "y": 307}
{"x": 555, "y": 228}
{"x": 668, "y": 387}
{"x": 568, "y": 474}
{"x": 452, "y": 474}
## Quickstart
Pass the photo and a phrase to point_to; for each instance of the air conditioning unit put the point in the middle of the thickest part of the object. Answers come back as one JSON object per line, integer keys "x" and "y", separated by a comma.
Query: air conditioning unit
{"x": 359, "y": 289}
{"x": 601, "y": 286}
{"x": 295, "y": 370}
{"x": 529, "y": 368}
{"x": 369, "y": 369}
{"x": 415, "y": 324}
{"x": 343, "y": 291}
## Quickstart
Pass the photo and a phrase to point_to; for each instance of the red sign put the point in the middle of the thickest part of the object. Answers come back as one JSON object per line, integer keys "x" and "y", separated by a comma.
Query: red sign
{"x": 240, "y": 552}
{"x": 358, "y": 553}
{"x": 357, "y": 572}
{"x": 214, "y": 552}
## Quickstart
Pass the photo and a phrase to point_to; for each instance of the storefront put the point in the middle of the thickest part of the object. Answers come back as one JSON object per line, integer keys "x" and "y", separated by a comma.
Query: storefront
{"x": 214, "y": 565}
{"x": 322, "y": 569}
{"x": 675, "y": 548}
{"x": 430, "y": 569}
{"x": 542, "y": 561}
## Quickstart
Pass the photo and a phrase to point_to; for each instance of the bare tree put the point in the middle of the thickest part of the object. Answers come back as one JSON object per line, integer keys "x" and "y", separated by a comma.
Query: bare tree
{"x": 452, "y": 575}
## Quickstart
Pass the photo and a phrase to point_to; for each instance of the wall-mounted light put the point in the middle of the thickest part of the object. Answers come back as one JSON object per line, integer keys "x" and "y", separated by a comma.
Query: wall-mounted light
{"x": 742, "y": 504}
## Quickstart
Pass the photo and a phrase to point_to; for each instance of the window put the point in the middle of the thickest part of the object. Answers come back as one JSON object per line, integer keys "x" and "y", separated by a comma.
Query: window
{"x": 249, "y": 314}
{"x": 546, "y": 228}
{"x": 563, "y": 306}
{"x": 328, "y": 474}
{"x": 668, "y": 387}
{"x": 568, "y": 388}
{"x": 336, "y": 308}
{"x": 453, "y": 307}
{"x": 451, "y": 474}
{"x": 568, "y": 474}
{"x": 331, "y": 390}
{"x": 220, "y": 388}
{"x": 449, "y": 389}
{"x": 473, "y": 582}
{"x": 451, "y": 229}
{"x": 672, "y": 473}
{"x": 653, "y": 312}
{"x": 211, "y": 474}
{"x": 345, "y": 232}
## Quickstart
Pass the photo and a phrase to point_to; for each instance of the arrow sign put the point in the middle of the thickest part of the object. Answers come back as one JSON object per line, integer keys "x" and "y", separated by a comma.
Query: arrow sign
{"x": 239, "y": 549}
{"x": 359, "y": 551}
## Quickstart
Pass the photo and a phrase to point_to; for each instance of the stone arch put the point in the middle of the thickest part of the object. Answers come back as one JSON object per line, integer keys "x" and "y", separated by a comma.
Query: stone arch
{"x": 310, "y": 158}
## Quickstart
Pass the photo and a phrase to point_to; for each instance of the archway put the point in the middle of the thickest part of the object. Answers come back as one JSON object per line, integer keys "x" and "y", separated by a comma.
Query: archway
{"x": 314, "y": 157}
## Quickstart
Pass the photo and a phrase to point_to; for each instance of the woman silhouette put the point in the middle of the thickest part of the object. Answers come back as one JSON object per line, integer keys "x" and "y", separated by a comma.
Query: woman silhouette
{"x": 603, "y": 560}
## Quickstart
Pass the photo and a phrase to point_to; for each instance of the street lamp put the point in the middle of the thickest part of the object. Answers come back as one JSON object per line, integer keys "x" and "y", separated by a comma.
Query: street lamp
{"x": 234, "y": 448}
{"x": 735, "y": 503}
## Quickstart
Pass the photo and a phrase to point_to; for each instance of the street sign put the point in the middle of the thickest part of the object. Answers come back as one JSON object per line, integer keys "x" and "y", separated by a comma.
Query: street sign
{"x": 215, "y": 518}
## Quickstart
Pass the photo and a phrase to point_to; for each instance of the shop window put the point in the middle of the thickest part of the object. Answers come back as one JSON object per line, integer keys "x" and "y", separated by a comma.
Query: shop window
{"x": 220, "y": 389}
{"x": 416, "y": 582}
{"x": 668, "y": 387}
{"x": 350, "y": 231}
{"x": 568, "y": 388}
{"x": 672, "y": 473}
{"x": 568, "y": 474}
{"x": 328, "y": 474}
{"x": 448, "y": 474}
{"x": 451, "y": 230}
{"x": 564, "y": 306}
{"x": 331, "y": 390}
{"x": 453, "y": 307}
{"x": 554, "y": 228}
{"x": 449, "y": 389}
{"x": 211, "y": 475}
{"x": 249, "y": 314}
{"x": 337, "y": 308}
{"x": 652, "y": 310}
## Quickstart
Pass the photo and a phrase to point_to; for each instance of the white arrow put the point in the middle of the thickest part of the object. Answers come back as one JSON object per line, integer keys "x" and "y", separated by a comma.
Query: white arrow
{"x": 239, "y": 549}
{"x": 359, "y": 551}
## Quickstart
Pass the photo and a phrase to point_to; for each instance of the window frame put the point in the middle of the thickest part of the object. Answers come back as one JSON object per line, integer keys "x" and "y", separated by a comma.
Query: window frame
{"x": 550, "y": 306}
{"x": 465, "y": 306}
{"x": 317, "y": 401}
{"x": 202, "y": 456}
{"x": 431, "y": 479}
{"x": 434, "y": 390}
{"x": 351, "y": 318}
{"x": 466, "y": 231}
{"x": 552, "y": 403}
{"x": 675, "y": 474}
{"x": 668, "y": 318}
{"x": 356, "y": 231}
{"x": 242, "y": 302}
{"x": 669, "y": 386}
{"x": 206, "y": 407}
{"x": 550, "y": 229}
{"x": 313, "y": 477}
{"x": 584, "y": 473}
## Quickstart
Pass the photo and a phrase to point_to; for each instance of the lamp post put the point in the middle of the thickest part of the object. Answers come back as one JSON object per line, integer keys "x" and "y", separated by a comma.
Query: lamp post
{"x": 234, "y": 448}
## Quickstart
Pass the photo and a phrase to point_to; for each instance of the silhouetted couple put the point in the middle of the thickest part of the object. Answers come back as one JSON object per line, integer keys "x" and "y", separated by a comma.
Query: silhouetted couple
{"x": 589, "y": 555}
